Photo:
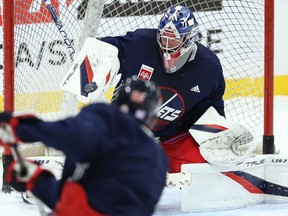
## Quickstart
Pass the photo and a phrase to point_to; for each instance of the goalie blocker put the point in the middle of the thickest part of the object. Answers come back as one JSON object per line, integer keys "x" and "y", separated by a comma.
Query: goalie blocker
{"x": 93, "y": 72}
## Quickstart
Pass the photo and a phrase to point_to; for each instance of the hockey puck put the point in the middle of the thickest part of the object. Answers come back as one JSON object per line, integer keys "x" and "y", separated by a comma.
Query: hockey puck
{"x": 90, "y": 87}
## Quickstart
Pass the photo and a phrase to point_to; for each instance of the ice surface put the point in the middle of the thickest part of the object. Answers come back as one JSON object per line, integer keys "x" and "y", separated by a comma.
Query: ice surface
{"x": 169, "y": 205}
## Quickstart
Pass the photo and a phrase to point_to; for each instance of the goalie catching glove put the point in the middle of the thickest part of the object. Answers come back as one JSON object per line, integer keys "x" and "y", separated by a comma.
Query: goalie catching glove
{"x": 22, "y": 182}
{"x": 222, "y": 142}
{"x": 8, "y": 123}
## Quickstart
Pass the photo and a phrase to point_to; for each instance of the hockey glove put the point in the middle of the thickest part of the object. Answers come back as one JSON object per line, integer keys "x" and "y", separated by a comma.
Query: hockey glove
{"x": 25, "y": 181}
{"x": 8, "y": 123}
{"x": 222, "y": 142}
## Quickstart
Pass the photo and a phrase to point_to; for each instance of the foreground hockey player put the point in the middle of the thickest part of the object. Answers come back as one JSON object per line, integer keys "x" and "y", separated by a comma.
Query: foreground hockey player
{"x": 110, "y": 153}
{"x": 189, "y": 75}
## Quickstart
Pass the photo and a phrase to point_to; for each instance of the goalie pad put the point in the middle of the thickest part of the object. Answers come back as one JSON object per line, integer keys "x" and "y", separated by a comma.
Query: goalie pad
{"x": 93, "y": 72}
{"x": 222, "y": 142}
{"x": 262, "y": 178}
{"x": 178, "y": 180}
{"x": 53, "y": 164}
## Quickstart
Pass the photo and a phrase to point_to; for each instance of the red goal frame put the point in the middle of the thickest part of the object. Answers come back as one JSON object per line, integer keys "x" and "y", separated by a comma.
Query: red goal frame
{"x": 268, "y": 137}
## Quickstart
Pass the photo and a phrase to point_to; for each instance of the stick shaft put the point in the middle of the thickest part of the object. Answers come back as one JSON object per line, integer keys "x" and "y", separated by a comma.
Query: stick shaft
{"x": 17, "y": 156}
{"x": 59, "y": 26}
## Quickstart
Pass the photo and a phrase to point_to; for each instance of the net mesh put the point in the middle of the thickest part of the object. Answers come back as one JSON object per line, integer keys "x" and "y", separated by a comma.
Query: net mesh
{"x": 233, "y": 29}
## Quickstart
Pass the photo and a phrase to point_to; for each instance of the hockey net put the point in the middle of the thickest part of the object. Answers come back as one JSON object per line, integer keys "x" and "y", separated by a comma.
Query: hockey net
{"x": 233, "y": 29}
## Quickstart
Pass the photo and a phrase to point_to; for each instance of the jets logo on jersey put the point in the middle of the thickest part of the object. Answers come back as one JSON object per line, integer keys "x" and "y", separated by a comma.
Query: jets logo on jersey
{"x": 145, "y": 73}
{"x": 171, "y": 109}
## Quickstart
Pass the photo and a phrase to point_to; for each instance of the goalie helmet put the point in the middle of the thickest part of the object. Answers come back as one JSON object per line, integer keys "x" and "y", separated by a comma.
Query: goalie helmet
{"x": 176, "y": 35}
{"x": 139, "y": 98}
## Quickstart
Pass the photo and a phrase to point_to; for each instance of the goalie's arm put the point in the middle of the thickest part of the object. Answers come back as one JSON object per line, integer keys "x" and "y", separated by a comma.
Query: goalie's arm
{"x": 216, "y": 97}
{"x": 123, "y": 43}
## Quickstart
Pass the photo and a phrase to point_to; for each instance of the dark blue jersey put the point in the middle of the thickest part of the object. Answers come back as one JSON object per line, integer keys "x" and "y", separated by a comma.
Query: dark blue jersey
{"x": 126, "y": 169}
{"x": 187, "y": 93}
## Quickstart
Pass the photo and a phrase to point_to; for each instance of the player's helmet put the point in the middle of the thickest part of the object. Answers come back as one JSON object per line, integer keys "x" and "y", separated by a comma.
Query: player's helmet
{"x": 176, "y": 35}
{"x": 139, "y": 98}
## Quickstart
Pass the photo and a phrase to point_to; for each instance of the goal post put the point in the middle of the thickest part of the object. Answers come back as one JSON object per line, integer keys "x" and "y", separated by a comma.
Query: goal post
{"x": 8, "y": 60}
{"x": 268, "y": 137}
{"x": 8, "y": 56}
{"x": 234, "y": 29}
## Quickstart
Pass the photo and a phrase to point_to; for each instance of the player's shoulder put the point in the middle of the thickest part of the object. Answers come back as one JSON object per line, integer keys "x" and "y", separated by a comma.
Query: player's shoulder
{"x": 143, "y": 33}
{"x": 205, "y": 52}
{"x": 205, "y": 55}
{"x": 101, "y": 109}
{"x": 109, "y": 112}
{"x": 96, "y": 106}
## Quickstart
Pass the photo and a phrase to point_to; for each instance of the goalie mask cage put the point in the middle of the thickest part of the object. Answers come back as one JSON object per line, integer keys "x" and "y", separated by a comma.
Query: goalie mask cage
{"x": 36, "y": 57}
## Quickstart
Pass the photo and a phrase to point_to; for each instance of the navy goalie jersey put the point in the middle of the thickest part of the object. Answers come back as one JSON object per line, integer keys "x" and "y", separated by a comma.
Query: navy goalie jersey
{"x": 186, "y": 94}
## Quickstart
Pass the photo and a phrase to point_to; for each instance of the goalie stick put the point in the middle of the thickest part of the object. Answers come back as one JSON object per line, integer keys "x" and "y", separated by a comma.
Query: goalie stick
{"x": 87, "y": 84}
{"x": 89, "y": 31}
{"x": 59, "y": 25}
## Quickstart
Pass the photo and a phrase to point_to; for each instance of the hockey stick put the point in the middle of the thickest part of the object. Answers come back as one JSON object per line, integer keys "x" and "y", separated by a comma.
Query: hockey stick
{"x": 23, "y": 171}
{"x": 17, "y": 156}
{"x": 24, "y": 199}
{"x": 59, "y": 25}
{"x": 67, "y": 41}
